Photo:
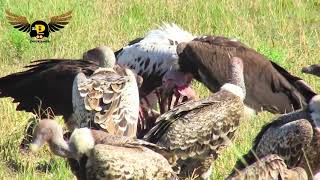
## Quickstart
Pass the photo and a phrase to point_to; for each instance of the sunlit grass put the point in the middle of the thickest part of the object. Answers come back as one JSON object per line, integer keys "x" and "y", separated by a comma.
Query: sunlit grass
{"x": 285, "y": 31}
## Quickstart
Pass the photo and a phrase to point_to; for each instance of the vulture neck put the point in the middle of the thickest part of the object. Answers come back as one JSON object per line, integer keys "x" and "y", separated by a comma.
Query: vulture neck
{"x": 236, "y": 84}
{"x": 80, "y": 143}
{"x": 60, "y": 147}
{"x": 314, "y": 108}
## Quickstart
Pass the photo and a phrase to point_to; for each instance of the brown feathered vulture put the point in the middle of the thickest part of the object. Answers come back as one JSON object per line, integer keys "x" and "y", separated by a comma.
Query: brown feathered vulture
{"x": 104, "y": 156}
{"x": 271, "y": 167}
{"x": 295, "y": 137}
{"x": 195, "y": 132}
{"x": 268, "y": 86}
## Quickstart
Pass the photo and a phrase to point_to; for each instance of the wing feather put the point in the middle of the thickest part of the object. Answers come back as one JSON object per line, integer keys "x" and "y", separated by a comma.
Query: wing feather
{"x": 101, "y": 99}
{"x": 58, "y": 22}
{"x": 18, "y": 22}
{"x": 287, "y": 137}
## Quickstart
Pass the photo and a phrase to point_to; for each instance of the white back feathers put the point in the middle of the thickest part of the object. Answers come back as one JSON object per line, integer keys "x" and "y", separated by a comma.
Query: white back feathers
{"x": 156, "y": 52}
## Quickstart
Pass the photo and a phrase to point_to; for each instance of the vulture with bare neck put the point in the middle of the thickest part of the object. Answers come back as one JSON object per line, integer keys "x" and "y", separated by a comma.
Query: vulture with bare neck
{"x": 104, "y": 156}
{"x": 295, "y": 137}
{"x": 196, "y": 131}
{"x": 268, "y": 86}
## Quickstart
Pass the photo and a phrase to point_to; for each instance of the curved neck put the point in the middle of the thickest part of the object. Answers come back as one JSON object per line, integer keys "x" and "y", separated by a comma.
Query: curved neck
{"x": 236, "y": 76}
{"x": 61, "y": 147}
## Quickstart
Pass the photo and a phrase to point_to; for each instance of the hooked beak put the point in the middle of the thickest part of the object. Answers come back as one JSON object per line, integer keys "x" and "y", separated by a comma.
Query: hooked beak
{"x": 305, "y": 69}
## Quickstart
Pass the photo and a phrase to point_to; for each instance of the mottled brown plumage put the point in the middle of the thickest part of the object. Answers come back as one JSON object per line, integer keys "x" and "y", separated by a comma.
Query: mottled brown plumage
{"x": 270, "y": 167}
{"x": 109, "y": 99}
{"x": 120, "y": 162}
{"x": 104, "y": 156}
{"x": 268, "y": 86}
{"x": 295, "y": 137}
{"x": 196, "y": 131}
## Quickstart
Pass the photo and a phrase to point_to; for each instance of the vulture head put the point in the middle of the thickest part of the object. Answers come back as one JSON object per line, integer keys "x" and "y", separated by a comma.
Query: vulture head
{"x": 49, "y": 131}
{"x": 102, "y": 54}
{"x": 178, "y": 83}
{"x": 312, "y": 69}
{"x": 188, "y": 65}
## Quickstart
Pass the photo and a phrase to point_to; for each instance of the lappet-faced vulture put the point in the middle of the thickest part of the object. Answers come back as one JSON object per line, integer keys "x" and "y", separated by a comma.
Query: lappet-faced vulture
{"x": 268, "y": 86}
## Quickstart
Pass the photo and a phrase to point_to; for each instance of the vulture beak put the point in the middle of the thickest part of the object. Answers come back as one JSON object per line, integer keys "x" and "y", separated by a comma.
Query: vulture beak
{"x": 39, "y": 138}
{"x": 306, "y": 69}
{"x": 36, "y": 145}
{"x": 312, "y": 69}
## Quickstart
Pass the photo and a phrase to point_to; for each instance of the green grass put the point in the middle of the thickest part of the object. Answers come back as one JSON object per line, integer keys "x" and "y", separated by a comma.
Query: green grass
{"x": 285, "y": 31}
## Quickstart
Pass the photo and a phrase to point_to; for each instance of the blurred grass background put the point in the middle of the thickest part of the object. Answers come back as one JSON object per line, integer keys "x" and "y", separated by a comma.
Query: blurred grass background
{"x": 286, "y": 31}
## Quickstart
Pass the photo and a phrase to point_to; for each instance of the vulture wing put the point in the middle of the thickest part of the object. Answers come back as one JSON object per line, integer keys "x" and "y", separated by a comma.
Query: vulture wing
{"x": 153, "y": 55}
{"x": 268, "y": 86}
{"x": 196, "y": 126}
{"x": 287, "y": 137}
{"x": 270, "y": 167}
{"x": 121, "y": 162}
{"x": 47, "y": 84}
{"x": 100, "y": 98}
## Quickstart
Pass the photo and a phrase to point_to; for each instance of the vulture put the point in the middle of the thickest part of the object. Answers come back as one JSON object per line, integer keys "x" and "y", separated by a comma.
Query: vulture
{"x": 101, "y": 155}
{"x": 295, "y": 137}
{"x": 268, "y": 86}
{"x": 196, "y": 131}
{"x": 313, "y": 69}
{"x": 109, "y": 99}
{"x": 270, "y": 167}
{"x": 154, "y": 55}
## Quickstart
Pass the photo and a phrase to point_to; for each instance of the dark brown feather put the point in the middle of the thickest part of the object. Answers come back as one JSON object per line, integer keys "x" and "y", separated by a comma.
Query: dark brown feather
{"x": 269, "y": 87}
{"x": 47, "y": 84}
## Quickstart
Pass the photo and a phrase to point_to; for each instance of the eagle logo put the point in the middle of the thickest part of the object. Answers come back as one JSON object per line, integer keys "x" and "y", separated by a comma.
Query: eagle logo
{"x": 39, "y": 30}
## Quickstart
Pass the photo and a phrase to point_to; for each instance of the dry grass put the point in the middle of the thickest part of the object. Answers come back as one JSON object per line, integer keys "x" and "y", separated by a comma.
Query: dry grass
{"x": 285, "y": 31}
